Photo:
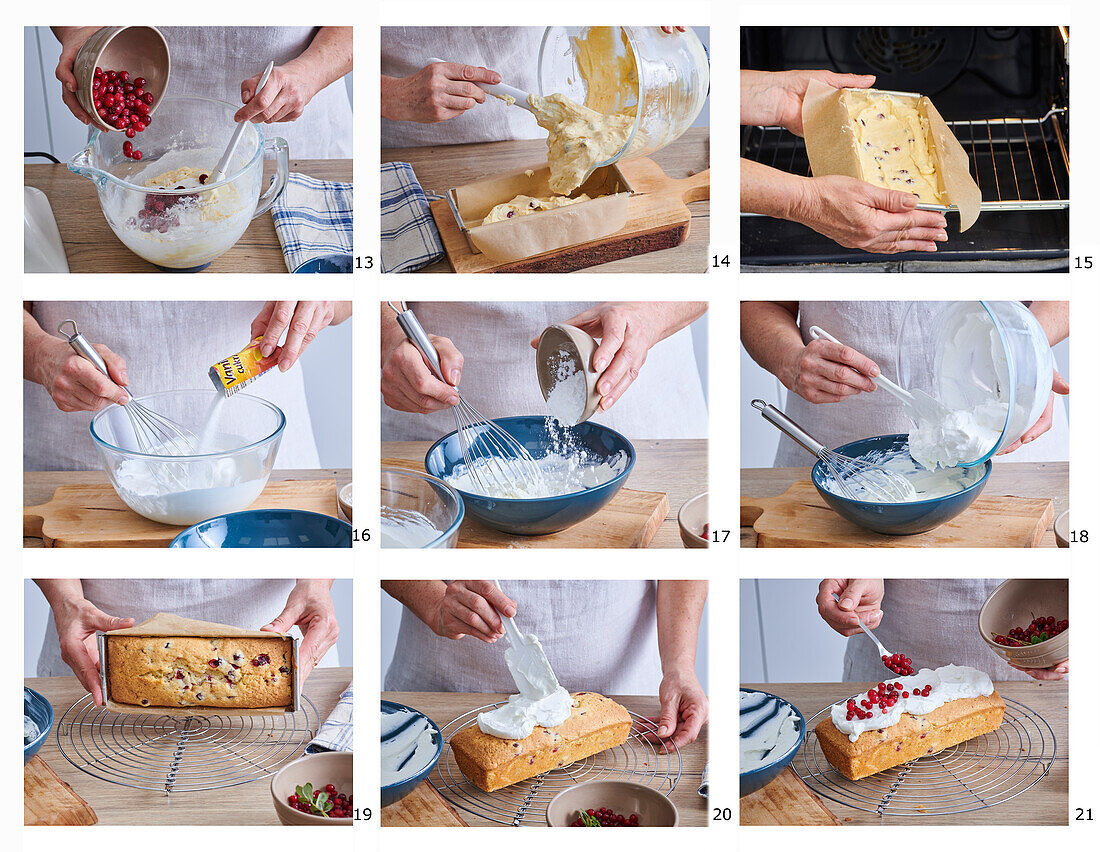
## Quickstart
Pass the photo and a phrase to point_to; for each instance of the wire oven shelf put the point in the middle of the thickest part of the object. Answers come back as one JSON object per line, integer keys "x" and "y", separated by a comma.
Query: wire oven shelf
{"x": 181, "y": 754}
{"x": 525, "y": 803}
{"x": 1018, "y": 163}
{"x": 980, "y": 773}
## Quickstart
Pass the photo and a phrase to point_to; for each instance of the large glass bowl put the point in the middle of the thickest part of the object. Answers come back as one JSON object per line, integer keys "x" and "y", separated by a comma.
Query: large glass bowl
{"x": 183, "y": 230}
{"x": 183, "y": 490}
{"x": 406, "y": 494}
{"x": 673, "y": 81}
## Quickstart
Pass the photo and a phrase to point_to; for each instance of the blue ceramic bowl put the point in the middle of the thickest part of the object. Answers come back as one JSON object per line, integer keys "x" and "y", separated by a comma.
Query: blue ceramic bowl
{"x": 542, "y": 515}
{"x": 755, "y": 779}
{"x": 38, "y": 708}
{"x": 339, "y": 263}
{"x": 895, "y": 518}
{"x": 267, "y": 528}
{"x": 395, "y": 792}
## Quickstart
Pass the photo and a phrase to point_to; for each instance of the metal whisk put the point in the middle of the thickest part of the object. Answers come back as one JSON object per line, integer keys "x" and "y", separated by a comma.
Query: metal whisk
{"x": 154, "y": 433}
{"x": 886, "y": 486}
{"x": 493, "y": 458}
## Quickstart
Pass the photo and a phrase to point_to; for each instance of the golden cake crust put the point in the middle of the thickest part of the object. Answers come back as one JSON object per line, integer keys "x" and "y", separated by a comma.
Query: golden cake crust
{"x": 596, "y": 724}
{"x": 187, "y": 671}
{"x": 912, "y": 737}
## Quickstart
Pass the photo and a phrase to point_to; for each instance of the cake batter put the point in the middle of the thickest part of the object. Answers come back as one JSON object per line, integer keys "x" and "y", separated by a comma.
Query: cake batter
{"x": 894, "y": 143}
{"x": 579, "y": 138}
{"x": 523, "y": 205}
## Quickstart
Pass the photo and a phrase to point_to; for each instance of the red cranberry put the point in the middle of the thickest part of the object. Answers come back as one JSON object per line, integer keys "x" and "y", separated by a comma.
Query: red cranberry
{"x": 137, "y": 155}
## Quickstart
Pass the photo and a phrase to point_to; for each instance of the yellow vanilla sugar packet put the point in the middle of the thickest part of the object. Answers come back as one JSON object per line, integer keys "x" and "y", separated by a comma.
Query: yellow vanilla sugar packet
{"x": 236, "y": 371}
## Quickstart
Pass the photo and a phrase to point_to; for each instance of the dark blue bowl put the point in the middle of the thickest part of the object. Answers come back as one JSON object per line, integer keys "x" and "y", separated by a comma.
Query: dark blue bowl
{"x": 38, "y": 708}
{"x": 755, "y": 779}
{"x": 394, "y": 792}
{"x": 895, "y": 518}
{"x": 339, "y": 263}
{"x": 542, "y": 515}
{"x": 267, "y": 528}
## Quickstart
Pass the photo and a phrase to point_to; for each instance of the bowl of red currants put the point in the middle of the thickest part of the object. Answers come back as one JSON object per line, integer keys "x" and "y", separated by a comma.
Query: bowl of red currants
{"x": 1026, "y": 622}
{"x": 315, "y": 790}
{"x": 121, "y": 74}
{"x": 611, "y": 804}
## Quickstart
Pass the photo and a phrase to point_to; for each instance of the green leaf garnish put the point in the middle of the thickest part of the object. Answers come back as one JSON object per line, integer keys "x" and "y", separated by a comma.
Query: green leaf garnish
{"x": 589, "y": 821}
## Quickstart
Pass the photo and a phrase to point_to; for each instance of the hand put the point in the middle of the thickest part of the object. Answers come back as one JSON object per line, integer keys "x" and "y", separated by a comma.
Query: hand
{"x": 823, "y": 371}
{"x": 310, "y": 608}
{"x": 1055, "y": 672}
{"x": 857, "y": 214}
{"x": 77, "y": 622}
{"x": 671, "y": 30}
{"x": 859, "y": 600}
{"x": 775, "y": 98}
{"x": 469, "y": 608}
{"x": 72, "y": 381}
{"x": 684, "y": 709}
{"x": 408, "y": 384}
{"x": 284, "y": 96}
{"x": 72, "y": 39}
{"x": 300, "y": 320}
{"x": 436, "y": 92}
{"x": 1045, "y": 421}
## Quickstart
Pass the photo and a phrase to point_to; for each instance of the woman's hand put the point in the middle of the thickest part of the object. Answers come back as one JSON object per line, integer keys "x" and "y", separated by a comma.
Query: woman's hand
{"x": 72, "y": 39}
{"x": 469, "y": 608}
{"x": 77, "y": 622}
{"x": 684, "y": 709}
{"x": 1055, "y": 672}
{"x": 859, "y": 600}
{"x": 1045, "y": 421}
{"x": 671, "y": 30}
{"x": 771, "y": 98}
{"x": 823, "y": 371}
{"x": 300, "y": 320}
{"x": 435, "y": 93}
{"x": 408, "y": 384}
{"x": 310, "y": 608}
{"x": 71, "y": 380}
{"x": 284, "y": 96}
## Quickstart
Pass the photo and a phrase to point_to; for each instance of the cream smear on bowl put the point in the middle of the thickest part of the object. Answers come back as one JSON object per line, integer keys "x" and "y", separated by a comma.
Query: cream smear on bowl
{"x": 768, "y": 729}
{"x": 408, "y": 746}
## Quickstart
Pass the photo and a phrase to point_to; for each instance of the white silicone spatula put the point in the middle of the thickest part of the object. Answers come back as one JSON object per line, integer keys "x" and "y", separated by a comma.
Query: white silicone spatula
{"x": 219, "y": 170}
{"x": 500, "y": 90}
{"x": 527, "y": 662}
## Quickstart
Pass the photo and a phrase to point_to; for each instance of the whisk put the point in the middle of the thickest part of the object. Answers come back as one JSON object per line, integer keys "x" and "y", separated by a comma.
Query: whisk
{"x": 493, "y": 458}
{"x": 154, "y": 433}
{"x": 887, "y": 486}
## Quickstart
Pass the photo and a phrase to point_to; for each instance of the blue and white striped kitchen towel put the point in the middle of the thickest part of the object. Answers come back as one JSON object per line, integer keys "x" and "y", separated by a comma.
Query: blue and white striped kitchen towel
{"x": 336, "y": 733}
{"x": 313, "y": 218}
{"x": 409, "y": 236}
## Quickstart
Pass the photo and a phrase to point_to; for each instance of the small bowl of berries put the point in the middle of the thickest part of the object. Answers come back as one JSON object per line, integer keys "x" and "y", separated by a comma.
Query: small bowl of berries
{"x": 611, "y": 804}
{"x": 1026, "y": 622}
{"x": 315, "y": 790}
{"x": 121, "y": 74}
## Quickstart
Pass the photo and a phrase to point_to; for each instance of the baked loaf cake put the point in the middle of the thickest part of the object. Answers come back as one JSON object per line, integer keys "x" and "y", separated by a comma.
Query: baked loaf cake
{"x": 183, "y": 671}
{"x": 912, "y": 737}
{"x": 595, "y": 724}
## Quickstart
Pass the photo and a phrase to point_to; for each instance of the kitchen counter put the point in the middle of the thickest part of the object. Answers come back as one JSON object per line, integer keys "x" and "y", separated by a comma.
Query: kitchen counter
{"x": 1047, "y": 803}
{"x": 440, "y": 167}
{"x": 244, "y": 804}
{"x": 442, "y": 707}
{"x": 91, "y": 246}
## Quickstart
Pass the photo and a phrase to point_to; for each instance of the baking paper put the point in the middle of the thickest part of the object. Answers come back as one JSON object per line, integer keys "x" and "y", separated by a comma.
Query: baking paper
{"x": 831, "y": 149}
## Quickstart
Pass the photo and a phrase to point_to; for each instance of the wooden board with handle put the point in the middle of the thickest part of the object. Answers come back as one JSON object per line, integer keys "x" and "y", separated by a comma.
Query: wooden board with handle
{"x": 631, "y": 519}
{"x": 423, "y": 806}
{"x": 799, "y": 517}
{"x": 657, "y": 218}
{"x": 94, "y": 515}
{"x": 785, "y": 801}
{"x": 47, "y": 800}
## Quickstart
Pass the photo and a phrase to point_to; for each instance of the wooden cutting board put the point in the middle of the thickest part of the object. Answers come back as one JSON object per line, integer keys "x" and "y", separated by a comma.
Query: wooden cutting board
{"x": 785, "y": 801}
{"x": 631, "y": 519}
{"x": 423, "y": 806}
{"x": 94, "y": 516}
{"x": 657, "y": 218}
{"x": 800, "y": 518}
{"x": 47, "y": 800}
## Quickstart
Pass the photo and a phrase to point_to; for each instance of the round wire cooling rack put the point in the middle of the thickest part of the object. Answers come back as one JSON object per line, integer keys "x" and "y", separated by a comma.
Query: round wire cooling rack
{"x": 638, "y": 759}
{"x": 181, "y": 754}
{"x": 980, "y": 773}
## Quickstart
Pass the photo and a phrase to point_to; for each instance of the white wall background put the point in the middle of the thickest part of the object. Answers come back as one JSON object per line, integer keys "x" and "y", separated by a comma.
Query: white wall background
{"x": 390, "y": 620}
{"x": 327, "y": 367}
{"x": 36, "y": 613}
{"x": 783, "y": 639}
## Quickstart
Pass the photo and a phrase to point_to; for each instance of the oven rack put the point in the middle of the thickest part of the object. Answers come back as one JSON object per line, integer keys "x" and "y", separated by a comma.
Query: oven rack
{"x": 637, "y": 759}
{"x": 1020, "y": 164}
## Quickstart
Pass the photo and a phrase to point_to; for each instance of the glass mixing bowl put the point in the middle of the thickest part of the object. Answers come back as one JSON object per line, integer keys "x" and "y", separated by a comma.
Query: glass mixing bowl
{"x": 183, "y": 490}
{"x": 405, "y": 491}
{"x": 983, "y": 351}
{"x": 183, "y": 230}
{"x": 673, "y": 81}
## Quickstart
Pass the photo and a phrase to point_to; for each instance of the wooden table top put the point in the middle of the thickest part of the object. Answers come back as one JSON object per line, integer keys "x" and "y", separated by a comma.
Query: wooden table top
{"x": 39, "y": 485}
{"x": 91, "y": 246}
{"x": 442, "y": 707}
{"x": 1047, "y": 803}
{"x": 676, "y": 466}
{"x": 440, "y": 167}
{"x": 245, "y": 804}
{"x": 1008, "y": 479}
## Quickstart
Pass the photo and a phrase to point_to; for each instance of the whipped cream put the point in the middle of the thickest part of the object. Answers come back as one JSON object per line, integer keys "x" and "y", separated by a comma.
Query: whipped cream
{"x": 406, "y": 528}
{"x": 560, "y": 474}
{"x": 30, "y": 730}
{"x": 962, "y": 436}
{"x": 769, "y": 729}
{"x": 926, "y": 484}
{"x": 541, "y": 701}
{"x": 408, "y": 745}
{"x": 949, "y": 683}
